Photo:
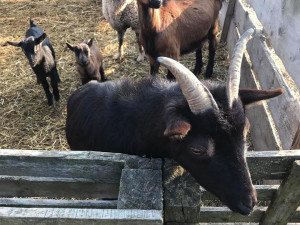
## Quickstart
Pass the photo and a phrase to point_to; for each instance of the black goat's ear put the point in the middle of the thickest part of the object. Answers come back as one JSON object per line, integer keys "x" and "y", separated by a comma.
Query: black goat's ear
{"x": 70, "y": 46}
{"x": 13, "y": 43}
{"x": 40, "y": 39}
{"x": 177, "y": 129}
{"x": 250, "y": 96}
{"x": 90, "y": 43}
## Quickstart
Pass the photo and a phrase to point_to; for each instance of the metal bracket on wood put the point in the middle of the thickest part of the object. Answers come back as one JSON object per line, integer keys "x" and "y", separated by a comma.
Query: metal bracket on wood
{"x": 228, "y": 17}
{"x": 286, "y": 201}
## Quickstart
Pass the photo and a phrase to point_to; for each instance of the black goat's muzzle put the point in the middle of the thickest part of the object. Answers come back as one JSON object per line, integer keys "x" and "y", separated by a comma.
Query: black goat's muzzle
{"x": 155, "y": 4}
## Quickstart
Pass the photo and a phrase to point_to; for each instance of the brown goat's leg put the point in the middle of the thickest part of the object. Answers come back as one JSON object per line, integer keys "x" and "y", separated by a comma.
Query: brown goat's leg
{"x": 199, "y": 62}
{"x": 176, "y": 57}
{"x": 170, "y": 76}
{"x": 212, "y": 40}
{"x": 103, "y": 77}
{"x": 119, "y": 55}
{"x": 141, "y": 50}
{"x": 154, "y": 66}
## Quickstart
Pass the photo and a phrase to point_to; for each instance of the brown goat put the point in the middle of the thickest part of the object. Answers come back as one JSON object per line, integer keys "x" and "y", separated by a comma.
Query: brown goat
{"x": 171, "y": 28}
{"x": 89, "y": 61}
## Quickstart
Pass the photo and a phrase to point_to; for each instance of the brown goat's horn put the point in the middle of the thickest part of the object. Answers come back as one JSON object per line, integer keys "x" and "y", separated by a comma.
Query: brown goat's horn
{"x": 233, "y": 81}
{"x": 197, "y": 95}
{"x": 123, "y": 5}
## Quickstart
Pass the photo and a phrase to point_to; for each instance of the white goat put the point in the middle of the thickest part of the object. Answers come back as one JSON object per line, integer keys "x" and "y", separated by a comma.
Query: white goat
{"x": 121, "y": 15}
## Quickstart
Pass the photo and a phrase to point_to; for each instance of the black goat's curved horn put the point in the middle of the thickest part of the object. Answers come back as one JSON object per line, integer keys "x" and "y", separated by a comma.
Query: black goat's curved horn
{"x": 197, "y": 95}
{"x": 233, "y": 81}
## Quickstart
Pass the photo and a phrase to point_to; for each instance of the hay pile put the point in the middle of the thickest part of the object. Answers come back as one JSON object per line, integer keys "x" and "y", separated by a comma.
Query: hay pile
{"x": 27, "y": 122}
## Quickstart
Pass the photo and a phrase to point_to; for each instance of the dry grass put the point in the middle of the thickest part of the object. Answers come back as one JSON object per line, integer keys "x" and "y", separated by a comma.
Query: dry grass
{"x": 27, "y": 122}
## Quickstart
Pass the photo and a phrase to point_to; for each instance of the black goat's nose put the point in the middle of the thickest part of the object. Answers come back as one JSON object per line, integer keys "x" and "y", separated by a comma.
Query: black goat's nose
{"x": 155, "y": 4}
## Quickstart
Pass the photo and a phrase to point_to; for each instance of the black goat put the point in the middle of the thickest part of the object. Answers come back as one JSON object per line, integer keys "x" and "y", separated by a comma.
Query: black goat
{"x": 40, "y": 53}
{"x": 202, "y": 126}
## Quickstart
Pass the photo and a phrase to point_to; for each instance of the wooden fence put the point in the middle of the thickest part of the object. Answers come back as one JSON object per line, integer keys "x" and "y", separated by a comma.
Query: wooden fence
{"x": 55, "y": 187}
{"x": 276, "y": 123}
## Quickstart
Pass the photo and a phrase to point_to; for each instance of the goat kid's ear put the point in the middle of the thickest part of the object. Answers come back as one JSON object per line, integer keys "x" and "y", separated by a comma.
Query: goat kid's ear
{"x": 40, "y": 39}
{"x": 177, "y": 129}
{"x": 91, "y": 42}
{"x": 70, "y": 46}
{"x": 250, "y": 96}
{"x": 13, "y": 43}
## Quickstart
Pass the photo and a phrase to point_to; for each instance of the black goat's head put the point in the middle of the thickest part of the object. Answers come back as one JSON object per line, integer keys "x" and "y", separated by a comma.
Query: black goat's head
{"x": 32, "y": 48}
{"x": 209, "y": 138}
{"x": 82, "y": 52}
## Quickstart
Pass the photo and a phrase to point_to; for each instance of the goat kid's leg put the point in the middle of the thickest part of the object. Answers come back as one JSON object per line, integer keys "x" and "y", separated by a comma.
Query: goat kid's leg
{"x": 54, "y": 86}
{"x": 199, "y": 62}
{"x": 119, "y": 55}
{"x": 103, "y": 77}
{"x": 141, "y": 50}
{"x": 47, "y": 91}
{"x": 212, "y": 40}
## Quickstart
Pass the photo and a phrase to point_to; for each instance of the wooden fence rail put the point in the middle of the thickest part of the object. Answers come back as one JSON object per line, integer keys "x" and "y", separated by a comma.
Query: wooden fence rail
{"x": 143, "y": 188}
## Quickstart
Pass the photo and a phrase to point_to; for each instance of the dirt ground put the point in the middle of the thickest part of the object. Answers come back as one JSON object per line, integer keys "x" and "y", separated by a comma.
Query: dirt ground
{"x": 27, "y": 122}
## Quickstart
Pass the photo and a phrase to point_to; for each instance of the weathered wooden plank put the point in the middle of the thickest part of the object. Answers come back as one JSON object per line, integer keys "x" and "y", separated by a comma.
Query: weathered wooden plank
{"x": 130, "y": 161}
{"x": 224, "y": 214}
{"x": 71, "y": 216}
{"x": 108, "y": 171}
{"x": 25, "y": 186}
{"x": 240, "y": 223}
{"x": 264, "y": 193}
{"x": 287, "y": 199}
{"x": 262, "y": 133}
{"x": 53, "y": 203}
{"x": 182, "y": 196}
{"x": 246, "y": 223}
{"x": 271, "y": 165}
{"x": 296, "y": 141}
{"x": 227, "y": 21}
{"x": 140, "y": 189}
{"x": 282, "y": 108}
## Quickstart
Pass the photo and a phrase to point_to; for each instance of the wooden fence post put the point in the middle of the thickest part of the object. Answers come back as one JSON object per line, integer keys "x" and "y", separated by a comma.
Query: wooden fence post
{"x": 278, "y": 211}
{"x": 296, "y": 141}
{"x": 228, "y": 17}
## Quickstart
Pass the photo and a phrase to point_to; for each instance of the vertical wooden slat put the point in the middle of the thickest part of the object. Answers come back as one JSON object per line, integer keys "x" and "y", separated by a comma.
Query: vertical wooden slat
{"x": 262, "y": 132}
{"x": 286, "y": 201}
{"x": 296, "y": 141}
{"x": 228, "y": 17}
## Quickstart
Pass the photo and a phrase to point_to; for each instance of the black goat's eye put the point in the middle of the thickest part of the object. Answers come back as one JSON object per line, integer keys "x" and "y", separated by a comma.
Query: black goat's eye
{"x": 199, "y": 151}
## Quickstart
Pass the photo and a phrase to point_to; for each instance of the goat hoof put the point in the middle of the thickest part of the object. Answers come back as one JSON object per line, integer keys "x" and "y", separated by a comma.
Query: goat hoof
{"x": 141, "y": 57}
{"x": 118, "y": 57}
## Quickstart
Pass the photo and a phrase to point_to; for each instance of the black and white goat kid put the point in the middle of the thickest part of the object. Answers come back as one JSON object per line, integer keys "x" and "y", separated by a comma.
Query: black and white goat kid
{"x": 41, "y": 56}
